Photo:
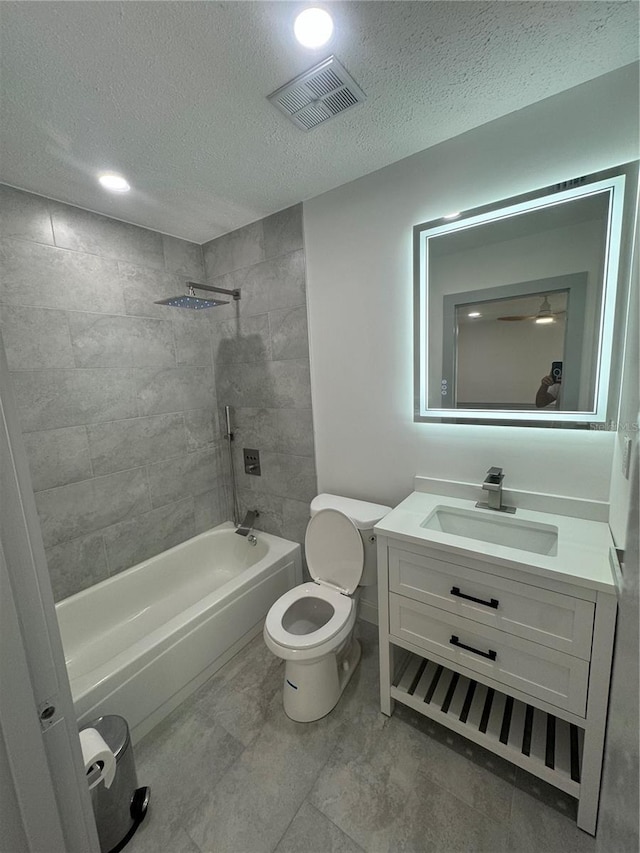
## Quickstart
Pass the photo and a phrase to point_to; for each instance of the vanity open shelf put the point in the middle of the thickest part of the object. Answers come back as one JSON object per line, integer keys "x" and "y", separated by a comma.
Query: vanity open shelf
{"x": 510, "y": 647}
{"x": 539, "y": 742}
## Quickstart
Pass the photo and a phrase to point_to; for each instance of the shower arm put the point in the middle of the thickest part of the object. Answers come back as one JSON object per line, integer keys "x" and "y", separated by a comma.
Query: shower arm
{"x": 235, "y": 293}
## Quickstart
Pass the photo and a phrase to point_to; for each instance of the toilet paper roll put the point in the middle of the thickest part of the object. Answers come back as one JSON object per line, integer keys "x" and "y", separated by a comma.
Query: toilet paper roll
{"x": 99, "y": 761}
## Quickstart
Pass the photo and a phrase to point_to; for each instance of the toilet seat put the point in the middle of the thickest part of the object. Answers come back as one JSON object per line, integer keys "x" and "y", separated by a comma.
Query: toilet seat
{"x": 342, "y": 608}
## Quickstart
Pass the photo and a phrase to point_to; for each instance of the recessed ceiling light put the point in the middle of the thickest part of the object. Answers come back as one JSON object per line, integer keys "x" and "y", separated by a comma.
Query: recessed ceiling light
{"x": 452, "y": 215}
{"x": 115, "y": 183}
{"x": 313, "y": 27}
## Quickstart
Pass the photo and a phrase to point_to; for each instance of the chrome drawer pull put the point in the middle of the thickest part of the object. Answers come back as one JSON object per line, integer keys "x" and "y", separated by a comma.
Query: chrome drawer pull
{"x": 455, "y": 590}
{"x": 456, "y": 642}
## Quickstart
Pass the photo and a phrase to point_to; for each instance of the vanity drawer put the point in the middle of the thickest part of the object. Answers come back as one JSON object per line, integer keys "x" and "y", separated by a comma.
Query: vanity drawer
{"x": 537, "y": 670}
{"x": 555, "y": 620}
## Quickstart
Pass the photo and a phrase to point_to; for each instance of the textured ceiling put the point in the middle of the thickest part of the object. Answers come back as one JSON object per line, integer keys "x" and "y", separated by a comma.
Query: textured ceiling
{"x": 173, "y": 94}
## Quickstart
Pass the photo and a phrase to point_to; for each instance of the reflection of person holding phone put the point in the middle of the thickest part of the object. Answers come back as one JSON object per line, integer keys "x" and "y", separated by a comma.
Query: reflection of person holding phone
{"x": 549, "y": 390}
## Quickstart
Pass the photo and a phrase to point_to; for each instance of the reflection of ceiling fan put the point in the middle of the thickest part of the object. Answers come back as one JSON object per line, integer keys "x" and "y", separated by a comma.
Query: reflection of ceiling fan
{"x": 545, "y": 314}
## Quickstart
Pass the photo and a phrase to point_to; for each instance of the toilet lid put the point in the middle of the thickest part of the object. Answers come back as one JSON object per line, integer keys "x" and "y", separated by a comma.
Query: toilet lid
{"x": 334, "y": 550}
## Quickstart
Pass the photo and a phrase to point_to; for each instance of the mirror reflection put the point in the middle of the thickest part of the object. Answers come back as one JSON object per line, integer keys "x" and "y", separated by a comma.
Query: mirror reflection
{"x": 515, "y": 307}
{"x": 519, "y": 339}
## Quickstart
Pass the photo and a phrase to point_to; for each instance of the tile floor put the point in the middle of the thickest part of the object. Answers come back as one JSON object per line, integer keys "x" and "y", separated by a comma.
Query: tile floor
{"x": 230, "y": 773}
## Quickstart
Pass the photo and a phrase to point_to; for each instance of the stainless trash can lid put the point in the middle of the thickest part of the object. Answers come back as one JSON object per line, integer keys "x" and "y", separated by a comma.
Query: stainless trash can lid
{"x": 114, "y": 731}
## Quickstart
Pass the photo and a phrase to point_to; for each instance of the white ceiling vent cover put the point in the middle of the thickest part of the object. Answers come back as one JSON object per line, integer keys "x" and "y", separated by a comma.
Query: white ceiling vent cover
{"x": 318, "y": 95}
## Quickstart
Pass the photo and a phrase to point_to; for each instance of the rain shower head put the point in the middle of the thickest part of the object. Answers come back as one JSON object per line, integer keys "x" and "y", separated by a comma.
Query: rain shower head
{"x": 190, "y": 300}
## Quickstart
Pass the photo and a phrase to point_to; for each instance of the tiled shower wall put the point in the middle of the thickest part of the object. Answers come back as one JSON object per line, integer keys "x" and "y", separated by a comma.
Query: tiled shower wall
{"x": 261, "y": 357}
{"x": 116, "y": 395}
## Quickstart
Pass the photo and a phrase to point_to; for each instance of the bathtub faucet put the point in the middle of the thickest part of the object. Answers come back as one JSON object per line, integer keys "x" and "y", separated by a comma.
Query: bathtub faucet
{"x": 245, "y": 528}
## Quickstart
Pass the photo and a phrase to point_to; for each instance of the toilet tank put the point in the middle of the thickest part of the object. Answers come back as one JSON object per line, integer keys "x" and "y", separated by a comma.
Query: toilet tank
{"x": 364, "y": 515}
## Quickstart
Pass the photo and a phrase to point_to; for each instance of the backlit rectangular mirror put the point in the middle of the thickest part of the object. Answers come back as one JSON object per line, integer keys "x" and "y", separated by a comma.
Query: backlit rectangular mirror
{"x": 517, "y": 306}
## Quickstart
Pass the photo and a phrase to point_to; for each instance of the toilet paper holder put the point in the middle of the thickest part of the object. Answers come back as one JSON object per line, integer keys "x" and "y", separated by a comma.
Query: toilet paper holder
{"x": 94, "y": 773}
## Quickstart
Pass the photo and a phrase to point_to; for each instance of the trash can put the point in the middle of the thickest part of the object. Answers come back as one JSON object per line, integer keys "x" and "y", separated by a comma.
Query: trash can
{"x": 121, "y": 808}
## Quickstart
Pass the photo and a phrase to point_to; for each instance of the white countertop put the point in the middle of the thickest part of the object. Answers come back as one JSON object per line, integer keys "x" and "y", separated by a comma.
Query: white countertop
{"x": 583, "y": 552}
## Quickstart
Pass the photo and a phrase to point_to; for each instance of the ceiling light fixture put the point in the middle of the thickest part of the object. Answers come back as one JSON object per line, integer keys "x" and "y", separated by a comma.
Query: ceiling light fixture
{"x": 113, "y": 182}
{"x": 452, "y": 215}
{"x": 474, "y": 314}
{"x": 313, "y": 27}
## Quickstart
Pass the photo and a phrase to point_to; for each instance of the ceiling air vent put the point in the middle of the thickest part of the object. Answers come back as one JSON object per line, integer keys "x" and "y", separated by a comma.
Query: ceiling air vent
{"x": 318, "y": 95}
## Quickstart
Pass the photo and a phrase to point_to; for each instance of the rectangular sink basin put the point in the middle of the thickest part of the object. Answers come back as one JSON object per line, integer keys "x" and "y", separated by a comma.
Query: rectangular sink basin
{"x": 496, "y": 529}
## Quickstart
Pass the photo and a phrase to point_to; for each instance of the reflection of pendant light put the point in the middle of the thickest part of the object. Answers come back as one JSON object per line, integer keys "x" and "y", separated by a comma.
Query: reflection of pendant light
{"x": 544, "y": 314}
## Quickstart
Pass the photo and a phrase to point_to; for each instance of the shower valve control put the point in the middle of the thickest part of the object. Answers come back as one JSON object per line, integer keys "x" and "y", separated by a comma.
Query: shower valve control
{"x": 251, "y": 462}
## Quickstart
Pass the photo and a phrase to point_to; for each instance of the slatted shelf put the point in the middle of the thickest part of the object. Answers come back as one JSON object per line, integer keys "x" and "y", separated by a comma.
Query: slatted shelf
{"x": 535, "y": 740}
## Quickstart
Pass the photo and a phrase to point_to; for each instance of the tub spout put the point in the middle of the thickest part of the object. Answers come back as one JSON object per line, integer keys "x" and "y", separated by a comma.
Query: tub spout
{"x": 246, "y": 526}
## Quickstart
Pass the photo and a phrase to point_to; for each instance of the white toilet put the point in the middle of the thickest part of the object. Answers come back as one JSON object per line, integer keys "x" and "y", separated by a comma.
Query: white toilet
{"x": 311, "y": 626}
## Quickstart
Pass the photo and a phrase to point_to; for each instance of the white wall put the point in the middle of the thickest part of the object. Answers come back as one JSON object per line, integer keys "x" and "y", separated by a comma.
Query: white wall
{"x": 359, "y": 274}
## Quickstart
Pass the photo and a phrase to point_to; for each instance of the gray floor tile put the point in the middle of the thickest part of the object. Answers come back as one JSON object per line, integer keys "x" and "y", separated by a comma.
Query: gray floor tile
{"x": 246, "y": 692}
{"x": 366, "y": 782}
{"x": 148, "y": 840}
{"x": 375, "y": 788}
{"x": 434, "y": 821}
{"x": 547, "y": 794}
{"x": 181, "y": 760}
{"x": 311, "y": 832}
{"x": 543, "y": 820}
{"x": 473, "y": 774}
{"x": 250, "y": 809}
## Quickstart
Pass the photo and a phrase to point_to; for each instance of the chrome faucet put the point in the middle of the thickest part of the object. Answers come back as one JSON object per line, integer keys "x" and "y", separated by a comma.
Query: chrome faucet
{"x": 493, "y": 486}
{"x": 246, "y": 526}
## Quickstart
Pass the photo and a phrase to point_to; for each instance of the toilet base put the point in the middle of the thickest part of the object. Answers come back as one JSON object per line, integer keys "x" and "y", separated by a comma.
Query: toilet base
{"x": 312, "y": 688}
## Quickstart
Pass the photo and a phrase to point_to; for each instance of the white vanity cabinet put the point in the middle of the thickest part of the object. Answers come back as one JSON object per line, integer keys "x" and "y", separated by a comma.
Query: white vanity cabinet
{"x": 511, "y": 657}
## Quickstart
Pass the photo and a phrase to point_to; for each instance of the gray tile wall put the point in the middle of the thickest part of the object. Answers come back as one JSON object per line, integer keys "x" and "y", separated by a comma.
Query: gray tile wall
{"x": 261, "y": 357}
{"x": 116, "y": 395}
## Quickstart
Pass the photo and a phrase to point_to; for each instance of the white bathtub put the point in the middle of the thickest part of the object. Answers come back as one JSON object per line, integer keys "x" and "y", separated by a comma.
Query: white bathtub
{"x": 139, "y": 643}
